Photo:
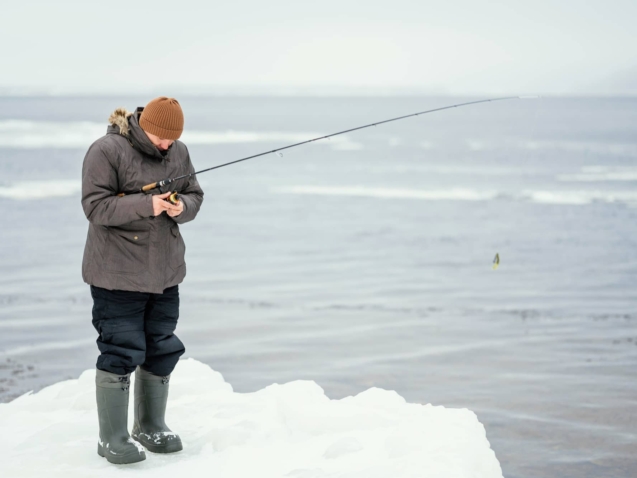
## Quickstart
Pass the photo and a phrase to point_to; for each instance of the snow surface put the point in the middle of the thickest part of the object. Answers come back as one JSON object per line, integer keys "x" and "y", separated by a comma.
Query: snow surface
{"x": 290, "y": 430}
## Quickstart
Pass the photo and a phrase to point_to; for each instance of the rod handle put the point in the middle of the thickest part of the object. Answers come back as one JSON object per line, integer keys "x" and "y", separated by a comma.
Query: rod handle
{"x": 173, "y": 198}
{"x": 149, "y": 187}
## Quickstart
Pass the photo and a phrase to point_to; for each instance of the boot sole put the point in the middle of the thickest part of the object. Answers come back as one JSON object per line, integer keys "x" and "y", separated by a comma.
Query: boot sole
{"x": 120, "y": 459}
{"x": 172, "y": 447}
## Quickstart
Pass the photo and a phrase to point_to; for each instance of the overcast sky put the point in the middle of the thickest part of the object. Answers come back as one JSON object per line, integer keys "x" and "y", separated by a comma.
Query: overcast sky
{"x": 442, "y": 47}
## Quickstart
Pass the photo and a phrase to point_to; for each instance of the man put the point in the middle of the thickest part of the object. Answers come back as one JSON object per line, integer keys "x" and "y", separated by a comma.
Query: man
{"x": 134, "y": 261}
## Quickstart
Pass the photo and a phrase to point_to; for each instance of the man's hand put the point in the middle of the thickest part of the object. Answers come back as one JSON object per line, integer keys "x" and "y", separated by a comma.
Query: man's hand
{"x": 178, "y": 209}
{"x": 160, "y": 205}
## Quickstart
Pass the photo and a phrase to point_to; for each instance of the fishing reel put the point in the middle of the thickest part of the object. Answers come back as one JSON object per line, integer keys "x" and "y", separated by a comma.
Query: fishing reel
{"x": 173, "y": 198}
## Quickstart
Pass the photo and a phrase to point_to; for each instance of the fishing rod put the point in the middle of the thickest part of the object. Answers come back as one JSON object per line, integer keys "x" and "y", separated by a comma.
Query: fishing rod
{"x": 174, "y": 198}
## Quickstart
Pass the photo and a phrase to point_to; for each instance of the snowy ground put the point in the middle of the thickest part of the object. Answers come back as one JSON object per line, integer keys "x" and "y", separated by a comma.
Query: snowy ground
{"x": 290, "y": 430}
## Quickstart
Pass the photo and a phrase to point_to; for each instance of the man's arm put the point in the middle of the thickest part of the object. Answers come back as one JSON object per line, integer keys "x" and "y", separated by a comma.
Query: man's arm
{"x": 191, "y": 197}
{"x": 100, "y": 188}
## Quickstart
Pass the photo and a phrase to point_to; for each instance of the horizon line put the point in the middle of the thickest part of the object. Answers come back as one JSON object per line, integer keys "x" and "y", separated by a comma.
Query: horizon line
{"x": 295, "y": 91}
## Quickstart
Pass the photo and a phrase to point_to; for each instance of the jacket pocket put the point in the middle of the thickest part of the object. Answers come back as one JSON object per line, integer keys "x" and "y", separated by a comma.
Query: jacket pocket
{"x": 177, "y": 249}
{"x": 127, "y": 252}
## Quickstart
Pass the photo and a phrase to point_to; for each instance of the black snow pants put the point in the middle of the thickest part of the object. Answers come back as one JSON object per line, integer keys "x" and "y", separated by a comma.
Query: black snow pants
{"x": 137, "y": 328}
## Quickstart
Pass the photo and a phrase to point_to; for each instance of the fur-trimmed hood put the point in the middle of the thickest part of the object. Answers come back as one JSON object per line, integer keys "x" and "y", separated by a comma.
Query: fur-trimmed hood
{"x": 119, "y": 117}
{"x": 126, "y": 124}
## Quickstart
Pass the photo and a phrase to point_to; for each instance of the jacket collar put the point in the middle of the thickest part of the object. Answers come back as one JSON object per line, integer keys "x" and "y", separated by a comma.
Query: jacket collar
{"x": 126, "y": 124}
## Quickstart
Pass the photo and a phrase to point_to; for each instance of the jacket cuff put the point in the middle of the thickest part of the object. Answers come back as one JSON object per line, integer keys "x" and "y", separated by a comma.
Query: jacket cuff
{"x": 147, "y": 206}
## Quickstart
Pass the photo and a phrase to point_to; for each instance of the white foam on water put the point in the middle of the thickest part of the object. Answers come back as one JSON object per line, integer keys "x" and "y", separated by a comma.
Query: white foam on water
{"x": 465, "y": 194}
{"x": 614, "y": 149}
{"x": 81, "y": 134}
{"x": 224, "y": 137}
{"x": 54, "y": 188}
{"x": 35, "y": 190}
{"x": 47, "y": 134}
{"x": 395, "y": 141}
{"x": 580, "y": 197}
{"x": 445, "y": 169}
{"x": 26, "y": 323}
{"x": 452, "y": 194}
{"x": 45, "y": 346}
{"x": 601, "y": 173}
{"x": 474, "y": 145}
{"x": 292, "y": 430}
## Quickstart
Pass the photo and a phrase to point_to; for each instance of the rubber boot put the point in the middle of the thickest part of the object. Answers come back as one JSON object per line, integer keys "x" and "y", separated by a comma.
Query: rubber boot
{"x": 115, "y": 444}
{"x": 151, "y": 395}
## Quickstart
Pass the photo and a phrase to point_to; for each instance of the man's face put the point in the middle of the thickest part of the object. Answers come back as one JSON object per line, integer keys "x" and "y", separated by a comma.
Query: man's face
{"x": 160, "y": 144}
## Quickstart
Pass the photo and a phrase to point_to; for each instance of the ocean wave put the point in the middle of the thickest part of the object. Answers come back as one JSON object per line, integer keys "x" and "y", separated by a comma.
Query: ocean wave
{"x": 444, "y": 169}
{"x": 580, "y": 197}
{"x": 230, "y": 136}
{"x": 80, "y": 134}
{"x": 45, "y": 346}
{"x": 26, "y": 190}
{"x": 453, "y": 194}
{"x": 48, "y": 134}
{"x": 464, "y": 194}
{"x": 601, "y": 173}
{"x": 596, "y": 147}
{"x": 33, "y": 190}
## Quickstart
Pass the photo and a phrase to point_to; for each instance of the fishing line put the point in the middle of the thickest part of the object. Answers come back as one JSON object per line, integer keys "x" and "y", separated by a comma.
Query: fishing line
{"x": 526, "y": 147}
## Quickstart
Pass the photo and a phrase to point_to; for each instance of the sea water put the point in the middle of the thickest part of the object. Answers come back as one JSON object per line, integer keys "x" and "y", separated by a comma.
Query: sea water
{"x": 367, "y": 260}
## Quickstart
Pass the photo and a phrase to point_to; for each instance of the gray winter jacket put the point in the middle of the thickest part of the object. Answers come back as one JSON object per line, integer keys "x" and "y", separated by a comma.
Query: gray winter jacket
{"x": 128, "y": 248}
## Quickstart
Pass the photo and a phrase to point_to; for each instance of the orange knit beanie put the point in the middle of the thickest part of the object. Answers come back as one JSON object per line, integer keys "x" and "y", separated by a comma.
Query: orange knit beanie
{"x": 163, "y": 117}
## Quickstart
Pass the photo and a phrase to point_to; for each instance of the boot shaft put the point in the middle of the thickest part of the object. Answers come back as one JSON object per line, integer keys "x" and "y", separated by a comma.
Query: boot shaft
{"x": 151, "y": 397}
{"x": 113, "y": 395}
{"x": 150, "y": 429}
{"x": 115, "y": 443}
